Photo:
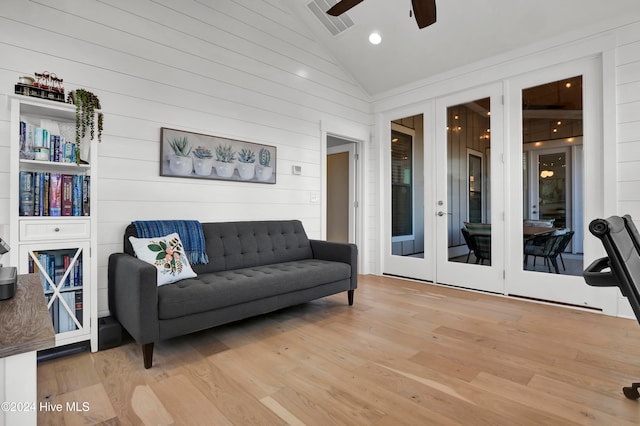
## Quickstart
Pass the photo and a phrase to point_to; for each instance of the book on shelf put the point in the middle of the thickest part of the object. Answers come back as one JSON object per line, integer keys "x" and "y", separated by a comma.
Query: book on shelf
{"x": 53, "y": 310}
{"x": 76, "y": 203}
{"x": 55, "y": 264}
{"x": 77, "y": 273}
{"x": 66, "y": 263}
{"x": 36, "y": 193}
{"x": 86, "y": 196}
{"x": 43, "y": 260}
{"x": 65, "y": 318}
{"x": 66, "y": 202}
{"x": 44, "y": 194}
{"x": 61, "y": 317}
{"x": 60, "y": 150}
{"x": 27, "y": 191}
{"x": 79, "y": 307}
{"x": 53, "y": 194}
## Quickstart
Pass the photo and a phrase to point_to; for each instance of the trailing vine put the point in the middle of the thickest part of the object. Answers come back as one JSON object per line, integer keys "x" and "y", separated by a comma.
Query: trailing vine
{"x": 86, "y": 105}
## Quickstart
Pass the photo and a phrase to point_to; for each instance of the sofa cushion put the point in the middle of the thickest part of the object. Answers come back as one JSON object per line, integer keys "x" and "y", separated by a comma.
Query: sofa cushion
{"x": 166, "y": 254}
{"x": 237, "y": 245}
{"x": 227, "y": 288}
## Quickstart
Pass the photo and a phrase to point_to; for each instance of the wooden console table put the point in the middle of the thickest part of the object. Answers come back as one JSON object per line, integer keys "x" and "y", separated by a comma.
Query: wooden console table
{"x": 25, "y": 328}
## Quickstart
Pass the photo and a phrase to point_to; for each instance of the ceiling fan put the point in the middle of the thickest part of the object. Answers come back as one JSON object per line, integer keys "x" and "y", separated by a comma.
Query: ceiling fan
{"x": 423, "y": 10}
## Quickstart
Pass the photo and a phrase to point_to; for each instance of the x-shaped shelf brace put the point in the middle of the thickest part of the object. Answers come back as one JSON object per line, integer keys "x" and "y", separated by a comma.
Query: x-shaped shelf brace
{"x": 56, "y": 289}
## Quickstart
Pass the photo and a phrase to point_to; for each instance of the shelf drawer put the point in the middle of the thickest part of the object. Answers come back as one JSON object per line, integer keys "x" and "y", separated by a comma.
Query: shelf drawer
{"x": 41, "y": 230}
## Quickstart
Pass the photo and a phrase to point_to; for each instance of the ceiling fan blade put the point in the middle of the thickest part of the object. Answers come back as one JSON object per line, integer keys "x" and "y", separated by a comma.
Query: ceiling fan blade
{"x": 342, "y": 6}
{"x": 424, "y": 11}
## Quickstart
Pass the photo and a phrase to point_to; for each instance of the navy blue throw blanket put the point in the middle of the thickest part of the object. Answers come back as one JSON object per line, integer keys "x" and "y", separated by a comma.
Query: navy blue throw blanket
{"x": 190, "y": 232}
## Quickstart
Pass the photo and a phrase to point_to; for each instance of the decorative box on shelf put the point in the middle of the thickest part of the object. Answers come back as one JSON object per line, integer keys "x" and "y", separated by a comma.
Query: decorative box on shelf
{"x": 38, "y": 92}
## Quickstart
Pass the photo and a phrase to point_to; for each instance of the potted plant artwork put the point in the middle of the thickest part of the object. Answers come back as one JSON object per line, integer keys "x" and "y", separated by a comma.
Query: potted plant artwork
{"x": 225, "y": 157}
{"x": 203, "y": 161}
{"x": 179, "y": 161}
{"x": 264, "y": 170}
{"x": 246, "y": 164}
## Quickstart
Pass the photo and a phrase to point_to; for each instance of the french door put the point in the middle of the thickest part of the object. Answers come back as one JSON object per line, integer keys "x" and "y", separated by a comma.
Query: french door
{"x": 469, "y": 204}
{"x": 555, "y": 155}
{"x": 443, "y": 161}
{"x": 407, "y": 152}
{"x": 465, "y": 174}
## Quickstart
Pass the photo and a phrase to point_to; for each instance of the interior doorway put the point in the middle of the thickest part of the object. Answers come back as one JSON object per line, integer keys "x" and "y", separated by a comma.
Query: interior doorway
{"x": 341, "y": 189}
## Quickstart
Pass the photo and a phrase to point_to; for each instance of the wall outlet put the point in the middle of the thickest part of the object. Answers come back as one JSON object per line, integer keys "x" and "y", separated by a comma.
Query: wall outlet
{"x": 296, "y": 170}
{"x": 314, "y": 198}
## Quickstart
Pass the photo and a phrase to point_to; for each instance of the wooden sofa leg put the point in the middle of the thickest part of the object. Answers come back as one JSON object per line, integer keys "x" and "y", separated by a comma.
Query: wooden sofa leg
{"x": 147, "y": 354}
{"x": 350, "y": 296}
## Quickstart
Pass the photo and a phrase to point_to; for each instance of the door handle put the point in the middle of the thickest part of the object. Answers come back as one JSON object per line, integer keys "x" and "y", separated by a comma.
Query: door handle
{"x": 441, "y": 213}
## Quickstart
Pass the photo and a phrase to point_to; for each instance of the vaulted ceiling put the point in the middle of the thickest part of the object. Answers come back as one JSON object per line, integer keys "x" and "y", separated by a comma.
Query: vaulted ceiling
{"x": 466, "y": 31}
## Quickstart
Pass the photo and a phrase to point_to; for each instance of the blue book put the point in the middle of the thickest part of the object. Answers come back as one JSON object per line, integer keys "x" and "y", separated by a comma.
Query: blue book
{"x": 77, "y": 195}
{"x": 36, "y": 193}
{"x": 27, "y": 192}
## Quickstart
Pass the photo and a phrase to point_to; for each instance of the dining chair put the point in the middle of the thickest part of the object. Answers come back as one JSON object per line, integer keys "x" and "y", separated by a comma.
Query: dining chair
{"x": 545, "y": 246}
{"x": 479, "y": 245}
{"x": 471, "y": 245}
{"x": 562, "y": 245}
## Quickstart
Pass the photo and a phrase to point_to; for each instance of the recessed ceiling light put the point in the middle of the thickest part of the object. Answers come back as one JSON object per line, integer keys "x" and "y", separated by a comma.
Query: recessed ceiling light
{"x": 375, "y": 38}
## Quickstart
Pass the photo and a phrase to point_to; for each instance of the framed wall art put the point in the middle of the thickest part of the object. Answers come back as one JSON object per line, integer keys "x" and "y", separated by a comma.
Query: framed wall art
{"x": 195, "y": 155}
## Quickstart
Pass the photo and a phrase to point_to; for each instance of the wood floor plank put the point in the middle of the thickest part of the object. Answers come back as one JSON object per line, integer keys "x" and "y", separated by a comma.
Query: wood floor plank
{"x": 120, "y": 373}
{"x": 607, "y": 403}
{"x": 281, "y": 412}
{"x": 223, "y": 391}
{"x": 570, "y": 411}
{"x": 148, "y": 408}
{"x": 407, "y": 353}
{"x": 186, "y": 404}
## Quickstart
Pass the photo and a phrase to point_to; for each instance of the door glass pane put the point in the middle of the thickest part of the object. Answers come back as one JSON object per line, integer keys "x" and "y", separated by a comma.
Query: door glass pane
{"x": 407, "y": 187}
{"x": 552, "y": 198}
{"x": 468, "y": 182}
{"x": 401, "y": 184}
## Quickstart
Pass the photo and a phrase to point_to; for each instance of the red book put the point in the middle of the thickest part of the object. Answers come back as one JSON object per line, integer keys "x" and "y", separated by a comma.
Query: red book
{"x": 67, "y": 195}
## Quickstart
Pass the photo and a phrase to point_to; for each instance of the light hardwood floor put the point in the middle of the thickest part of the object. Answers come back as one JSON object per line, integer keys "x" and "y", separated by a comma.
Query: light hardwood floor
{"x": 406, "y": 353}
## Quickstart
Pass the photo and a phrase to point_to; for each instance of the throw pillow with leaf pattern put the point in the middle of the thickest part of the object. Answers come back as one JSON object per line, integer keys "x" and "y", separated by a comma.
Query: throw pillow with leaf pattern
{"x": 166, "y": 254}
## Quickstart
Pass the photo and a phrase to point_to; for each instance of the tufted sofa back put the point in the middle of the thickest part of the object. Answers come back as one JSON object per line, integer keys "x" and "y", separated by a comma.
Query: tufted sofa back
{"x": 234, "y": 245}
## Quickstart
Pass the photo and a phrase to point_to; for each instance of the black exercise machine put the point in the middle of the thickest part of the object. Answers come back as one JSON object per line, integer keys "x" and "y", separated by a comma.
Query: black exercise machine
{"x": 622, "y": 243}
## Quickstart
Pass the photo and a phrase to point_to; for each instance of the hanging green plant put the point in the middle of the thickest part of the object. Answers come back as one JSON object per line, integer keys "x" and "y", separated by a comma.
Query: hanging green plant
{"x": 86, "y": 105}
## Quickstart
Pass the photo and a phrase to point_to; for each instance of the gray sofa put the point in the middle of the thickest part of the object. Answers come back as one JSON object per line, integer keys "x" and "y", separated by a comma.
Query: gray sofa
{"x": 254, "y": 268}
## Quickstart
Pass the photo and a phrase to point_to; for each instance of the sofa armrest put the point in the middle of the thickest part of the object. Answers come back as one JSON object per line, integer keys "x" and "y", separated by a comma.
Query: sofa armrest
{"x": 133, "y": 296}
{"x": 338, "y": 252}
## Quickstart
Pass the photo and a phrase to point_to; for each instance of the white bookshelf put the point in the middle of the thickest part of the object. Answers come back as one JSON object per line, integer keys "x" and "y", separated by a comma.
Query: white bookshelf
{"x": 67, "y": 244}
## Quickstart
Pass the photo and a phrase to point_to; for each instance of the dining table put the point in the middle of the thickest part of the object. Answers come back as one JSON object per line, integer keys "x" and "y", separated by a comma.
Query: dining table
{"x": 534, "y": 231}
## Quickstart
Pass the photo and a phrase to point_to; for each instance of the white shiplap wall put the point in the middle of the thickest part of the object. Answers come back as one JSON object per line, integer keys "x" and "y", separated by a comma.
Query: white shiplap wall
{"x": 233, "y": 68}
{"x": 628, "y": 131}
{"x": 628, "y": 120}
